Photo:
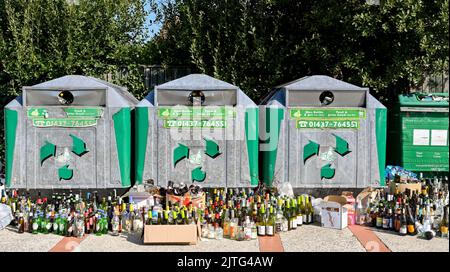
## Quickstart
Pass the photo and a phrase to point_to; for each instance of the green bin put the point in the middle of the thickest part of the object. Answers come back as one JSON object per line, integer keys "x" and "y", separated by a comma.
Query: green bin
{"x": 420, "y": 133}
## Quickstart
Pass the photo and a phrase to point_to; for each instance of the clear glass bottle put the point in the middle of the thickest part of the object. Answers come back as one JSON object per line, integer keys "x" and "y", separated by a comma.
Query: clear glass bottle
{"x": 115, "y": 224}
{"x": 218, "y": 232}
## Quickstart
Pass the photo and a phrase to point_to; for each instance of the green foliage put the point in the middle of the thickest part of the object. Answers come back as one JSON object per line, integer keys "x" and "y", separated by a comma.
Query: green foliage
{"x": 260, "y": 44}
{"x": 44, "y": 39}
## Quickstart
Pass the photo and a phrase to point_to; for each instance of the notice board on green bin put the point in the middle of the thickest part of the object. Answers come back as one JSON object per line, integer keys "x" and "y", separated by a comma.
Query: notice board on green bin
{"x": 424, "y": 141}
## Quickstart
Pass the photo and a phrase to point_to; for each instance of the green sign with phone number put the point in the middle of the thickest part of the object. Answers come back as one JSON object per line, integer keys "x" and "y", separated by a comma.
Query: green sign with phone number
{"x": 197, "y": 112}
{"x": 327, "y": 114}
{"x": 327, "y": 124}
{"x": 64, "y": 122}
{"x": 195, "y": 124}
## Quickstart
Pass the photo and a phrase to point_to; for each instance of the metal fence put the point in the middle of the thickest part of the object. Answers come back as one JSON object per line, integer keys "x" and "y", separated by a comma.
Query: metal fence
{"x": 157, "y": 74}
{"x": 151, "y": 75}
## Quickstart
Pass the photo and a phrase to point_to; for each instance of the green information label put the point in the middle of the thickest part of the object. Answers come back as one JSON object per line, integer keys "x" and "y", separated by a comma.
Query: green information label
{"x": 83, "y": 112}
{"x": 37, "y": 113}
{"x": 64, "y": 122}
{"x": 197, "y": 112}
{"x": 327, "y": 114}
{"x": 76, "y": 117}
{"x": 327, "y": 124}
{"x": 172, "y": 123}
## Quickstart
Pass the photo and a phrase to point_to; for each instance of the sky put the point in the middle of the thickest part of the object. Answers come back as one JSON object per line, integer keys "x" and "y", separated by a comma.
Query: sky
{"x": 152, "y": 28}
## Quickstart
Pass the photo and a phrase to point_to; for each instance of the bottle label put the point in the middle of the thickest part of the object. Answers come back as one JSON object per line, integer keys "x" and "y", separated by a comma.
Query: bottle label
{"x": 55, "y": 226}
{"x": 233, "y": 232}
{"x": 35, "y": 226}
{"x": 299, "y": 220}
{"x": 226, "y": 229}
{"x": 385, "y": 223}
{"x": 403, "y": 230}
{"x": 379, "y": 223}
{"x": 248, "y": 233}
{"x": 48, "y": 226}
{"x": 292, "y": 224}
{"x": 411, "y": 228}
{"x": 444, "y": 230}
{"x": 61, "y": 227}
{"x": 305, "y": 218}
{"x": 309, "y": 218}
{"x": 261, "y": 230}
{"x": 278, "y": 227}
{"x": 269, "y": 230}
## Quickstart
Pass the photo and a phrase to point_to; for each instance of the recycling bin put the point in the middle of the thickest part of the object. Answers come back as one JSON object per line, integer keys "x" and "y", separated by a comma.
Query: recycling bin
{"x": 420, "y": 133}
{"x": 320, "y": 132}
{"x": 68, "y": 133}
{"x": 197, "y": 129}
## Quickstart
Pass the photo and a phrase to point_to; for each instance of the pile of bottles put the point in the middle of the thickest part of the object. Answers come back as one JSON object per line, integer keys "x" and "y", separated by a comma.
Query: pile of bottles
{"x": 423, "y": 213}
{"x": 239, "y": 214}
{"x": 71, "y": 215}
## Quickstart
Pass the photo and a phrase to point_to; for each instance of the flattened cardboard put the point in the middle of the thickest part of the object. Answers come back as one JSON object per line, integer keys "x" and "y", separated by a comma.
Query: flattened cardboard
{"x": 403, "y": 186}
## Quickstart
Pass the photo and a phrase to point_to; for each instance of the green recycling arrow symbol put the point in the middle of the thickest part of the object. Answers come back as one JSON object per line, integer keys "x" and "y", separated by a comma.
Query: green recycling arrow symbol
{"x": 309, "y": 150}
{"x": 341, "y": 146}
{"x": 65, "y": 173}
{"x": 198, "y": 175}
{"x": 312, "y": 148}
{"x": 78, "y": 146}
{"x": 47, "y": 150}
{"x": 182, "y": 152}
{"x": 327, "y": 172}
{"x": 212, "y": 148}
{"x": 179, "y": 153}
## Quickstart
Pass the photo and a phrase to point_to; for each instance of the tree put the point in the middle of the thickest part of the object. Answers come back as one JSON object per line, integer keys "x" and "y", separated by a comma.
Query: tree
{"x": 260, "y": 44}
{"x": 44, "y": 39}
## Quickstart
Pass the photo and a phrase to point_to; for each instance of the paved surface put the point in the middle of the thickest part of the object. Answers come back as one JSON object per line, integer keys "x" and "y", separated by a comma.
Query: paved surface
{"x": 130, "y": 243}
{"x": 368, "y": 239}
{"x": 311, "y": 238}
{"x": 412, "y": 243}
{"x": 10, "y": 240}
{"x": 306, "y": 238}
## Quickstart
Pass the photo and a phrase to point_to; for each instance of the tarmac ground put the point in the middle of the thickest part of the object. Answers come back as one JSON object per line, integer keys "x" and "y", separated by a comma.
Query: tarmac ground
{"x": 307, "y": 238}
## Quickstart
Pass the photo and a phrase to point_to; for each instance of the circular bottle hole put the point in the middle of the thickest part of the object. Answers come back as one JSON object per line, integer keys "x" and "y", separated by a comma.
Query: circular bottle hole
{"x": 326, "y": 98}
{"x": 196, "y": 98}
{"x": 65, "y": 98}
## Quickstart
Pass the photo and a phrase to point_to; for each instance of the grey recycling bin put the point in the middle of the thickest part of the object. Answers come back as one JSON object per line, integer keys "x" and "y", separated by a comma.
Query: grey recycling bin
{"x": 321, "y": 132}
{"x": 197, "y": 129}
{"x": 70, "y": 132}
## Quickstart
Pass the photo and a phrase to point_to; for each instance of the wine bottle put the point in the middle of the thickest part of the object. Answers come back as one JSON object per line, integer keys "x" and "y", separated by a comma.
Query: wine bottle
{"x": 443, "y": 228}
{"x": 270, "y": 225}
{"x": 410, "y": 221}
{"x": 21, "y": 224}
{"x": 403, "y": 230}
{"x": 299, "y": 211}
{"x": 261, "y": 222}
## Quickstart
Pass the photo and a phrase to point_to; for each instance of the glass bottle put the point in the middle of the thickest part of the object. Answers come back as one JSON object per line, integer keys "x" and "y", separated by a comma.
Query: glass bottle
{"x": 270, "y": 225}
{"x": 115, "y": 224}
{"x": 261, "y": 222}
{"x": 21, "y": 224}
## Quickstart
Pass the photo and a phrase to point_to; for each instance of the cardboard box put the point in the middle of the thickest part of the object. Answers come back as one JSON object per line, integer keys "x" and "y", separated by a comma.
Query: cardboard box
{"x": 367, "y": 195}
{"x": 171, "y": 234}
{"x": 334, "y": 214}
{"x": 417, "y": 187}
